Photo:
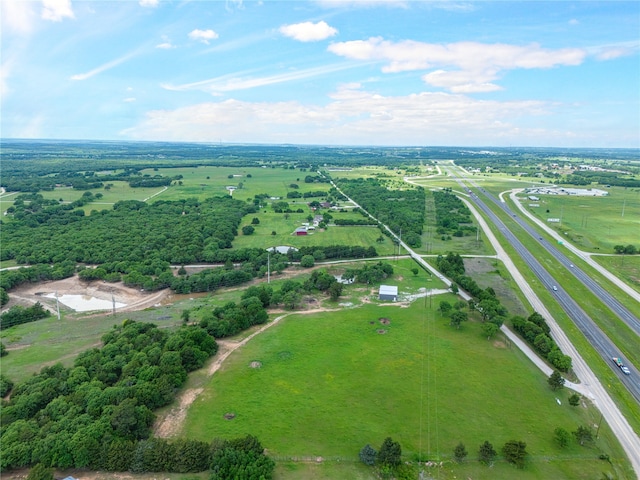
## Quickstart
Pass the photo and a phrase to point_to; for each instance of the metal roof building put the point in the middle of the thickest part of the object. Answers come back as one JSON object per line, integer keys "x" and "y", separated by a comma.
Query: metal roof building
{"x": 388, "y": 292}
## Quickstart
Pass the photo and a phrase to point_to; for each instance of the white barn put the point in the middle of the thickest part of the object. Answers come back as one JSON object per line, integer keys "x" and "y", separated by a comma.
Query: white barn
{"x": 388, "y": 292}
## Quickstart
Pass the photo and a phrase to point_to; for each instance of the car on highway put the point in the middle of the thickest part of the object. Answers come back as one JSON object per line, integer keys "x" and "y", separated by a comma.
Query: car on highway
{"x": 625, "y": 370}
{"x": 555, "y": 289}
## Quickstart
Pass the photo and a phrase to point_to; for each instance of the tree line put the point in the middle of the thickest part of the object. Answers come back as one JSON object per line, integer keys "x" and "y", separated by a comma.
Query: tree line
{"x": 86, "y": 415}
{"x": 174, "y": 231}
{"x": 18, "y": 315}
{"x": 534, "y": 329}
{"x": 452, "y": 216}
{"x": 403, "y": 211}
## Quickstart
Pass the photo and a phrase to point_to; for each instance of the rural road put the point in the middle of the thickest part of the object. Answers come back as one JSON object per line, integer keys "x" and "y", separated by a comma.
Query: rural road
{"x": 583, "y": 255}
{"x": 628, "y": 439}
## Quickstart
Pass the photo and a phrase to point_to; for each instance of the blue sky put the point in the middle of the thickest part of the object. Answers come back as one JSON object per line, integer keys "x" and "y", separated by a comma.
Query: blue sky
{"x": 342, "y": 72}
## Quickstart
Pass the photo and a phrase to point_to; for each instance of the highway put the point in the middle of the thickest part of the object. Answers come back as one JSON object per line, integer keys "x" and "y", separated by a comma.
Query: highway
{"x": 618, "y": 423}
{"x": 596, "y": 337}
{"x": 614, "y": 305}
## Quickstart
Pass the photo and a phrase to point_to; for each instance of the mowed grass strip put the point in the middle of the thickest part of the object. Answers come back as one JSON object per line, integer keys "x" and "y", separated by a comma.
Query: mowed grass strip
{"x": 330, "y": 383}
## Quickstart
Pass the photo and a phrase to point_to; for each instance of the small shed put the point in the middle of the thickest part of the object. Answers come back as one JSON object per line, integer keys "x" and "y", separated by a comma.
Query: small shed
{"x": 388, "y": 292}
{"x": 301, "y": 231}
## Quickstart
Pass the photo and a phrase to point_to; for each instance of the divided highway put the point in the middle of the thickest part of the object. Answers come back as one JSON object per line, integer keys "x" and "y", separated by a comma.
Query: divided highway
{"x": 618, "y": 423}
{"x": 601, "y": 343}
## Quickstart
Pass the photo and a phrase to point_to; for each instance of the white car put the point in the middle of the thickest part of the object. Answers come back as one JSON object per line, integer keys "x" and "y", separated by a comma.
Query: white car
{"x": 555, "y": 289}
{"x": 625, "y": 370}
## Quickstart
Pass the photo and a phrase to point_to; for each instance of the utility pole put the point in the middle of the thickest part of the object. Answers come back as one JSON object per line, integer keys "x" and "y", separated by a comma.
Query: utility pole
{"x": 598, "y": 429}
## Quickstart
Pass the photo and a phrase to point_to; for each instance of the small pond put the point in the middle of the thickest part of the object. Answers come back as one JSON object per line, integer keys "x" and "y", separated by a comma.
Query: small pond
{"x": 85, "y": 303}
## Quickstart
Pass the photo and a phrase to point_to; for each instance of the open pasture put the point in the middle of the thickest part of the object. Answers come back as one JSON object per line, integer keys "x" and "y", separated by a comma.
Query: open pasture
{"x": 626, "y": 267}
{"x": 594, "y": 223}
{"x": 329, "y": 383}
{"x": 285, "y": 224}
{"x": 206, "y": 181}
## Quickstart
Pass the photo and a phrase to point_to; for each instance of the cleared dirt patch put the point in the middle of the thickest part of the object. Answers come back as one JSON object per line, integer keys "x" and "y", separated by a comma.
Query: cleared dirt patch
{"x": 384, "y": 320}
{"x": 134, "y": 299}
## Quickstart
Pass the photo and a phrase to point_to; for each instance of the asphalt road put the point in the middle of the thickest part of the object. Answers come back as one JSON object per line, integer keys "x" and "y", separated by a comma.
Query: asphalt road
{"x": 598, "y": 339}
{"x": 614, "y": 305}
{"x": 617, "y": 422}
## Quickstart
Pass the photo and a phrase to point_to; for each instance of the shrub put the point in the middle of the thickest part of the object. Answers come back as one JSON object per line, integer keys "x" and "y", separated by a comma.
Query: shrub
{"x": 307, "y": 261}
{"x": 368, "y": 455}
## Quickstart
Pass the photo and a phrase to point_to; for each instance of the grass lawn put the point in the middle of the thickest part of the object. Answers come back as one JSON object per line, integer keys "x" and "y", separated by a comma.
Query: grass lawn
{"x": 207, "y": 181}
{"x": 330, "y": 383}
{"x": 285, "y": 224}
{"x": 594, "y": 223}
{"x": 626, "y": 267}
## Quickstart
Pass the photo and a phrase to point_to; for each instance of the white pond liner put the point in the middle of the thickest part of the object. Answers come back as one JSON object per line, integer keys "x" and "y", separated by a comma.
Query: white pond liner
{"x": 85, "y": 303}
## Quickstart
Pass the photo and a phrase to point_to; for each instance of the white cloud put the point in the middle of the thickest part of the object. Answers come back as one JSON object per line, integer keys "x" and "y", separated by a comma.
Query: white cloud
{"x": 573, "y": 21}
{"x": 361, "y": 3}
{"x": 17, "y": 17}
{"x": 105, "y": 66}
{"x": 148, "y": 3}
{"x": 129, "y": 99}
{"x": 165, "y": 46}
{"x": 203, "y": 35}
{"x": 56, "y": 10}
{"x": 462, "y": 81}
{"x": 353, "y": 116}
{"x": 308, "y": 31}
{"x": 239, "y": 80}
{"x": 609, "y": 52}
{"x": 475, "y": 64}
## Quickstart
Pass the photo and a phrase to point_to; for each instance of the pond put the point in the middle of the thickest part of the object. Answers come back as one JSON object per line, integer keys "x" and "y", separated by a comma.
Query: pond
{"x": 85, "y": 303}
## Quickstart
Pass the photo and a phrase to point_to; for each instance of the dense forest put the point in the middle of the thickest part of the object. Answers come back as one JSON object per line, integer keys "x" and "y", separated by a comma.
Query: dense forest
{"x": 452, "y": 216}
{"x": 98, "y": 413}
{"x": 178, "y": 232}
{"x": 79, "y": 416}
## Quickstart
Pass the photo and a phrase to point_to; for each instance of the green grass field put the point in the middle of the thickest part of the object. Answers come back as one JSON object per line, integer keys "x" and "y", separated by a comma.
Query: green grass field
{"x": 347, "y": 235}
{"x": 627, "y": 267}
{"x": 594, "y": 224}
{"x": 207, "y": 181}
{"x": 330, "y": 383}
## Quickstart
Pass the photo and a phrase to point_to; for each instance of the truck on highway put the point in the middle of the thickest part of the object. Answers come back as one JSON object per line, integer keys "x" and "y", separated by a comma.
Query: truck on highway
{"x": 621, "y": 365}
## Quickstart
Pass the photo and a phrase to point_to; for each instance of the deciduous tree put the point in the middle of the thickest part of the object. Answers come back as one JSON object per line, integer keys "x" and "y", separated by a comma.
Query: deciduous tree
{"x": 556, "y": 381}
{"x": 583, "y": 435}
{"x": 561, "y": 436}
